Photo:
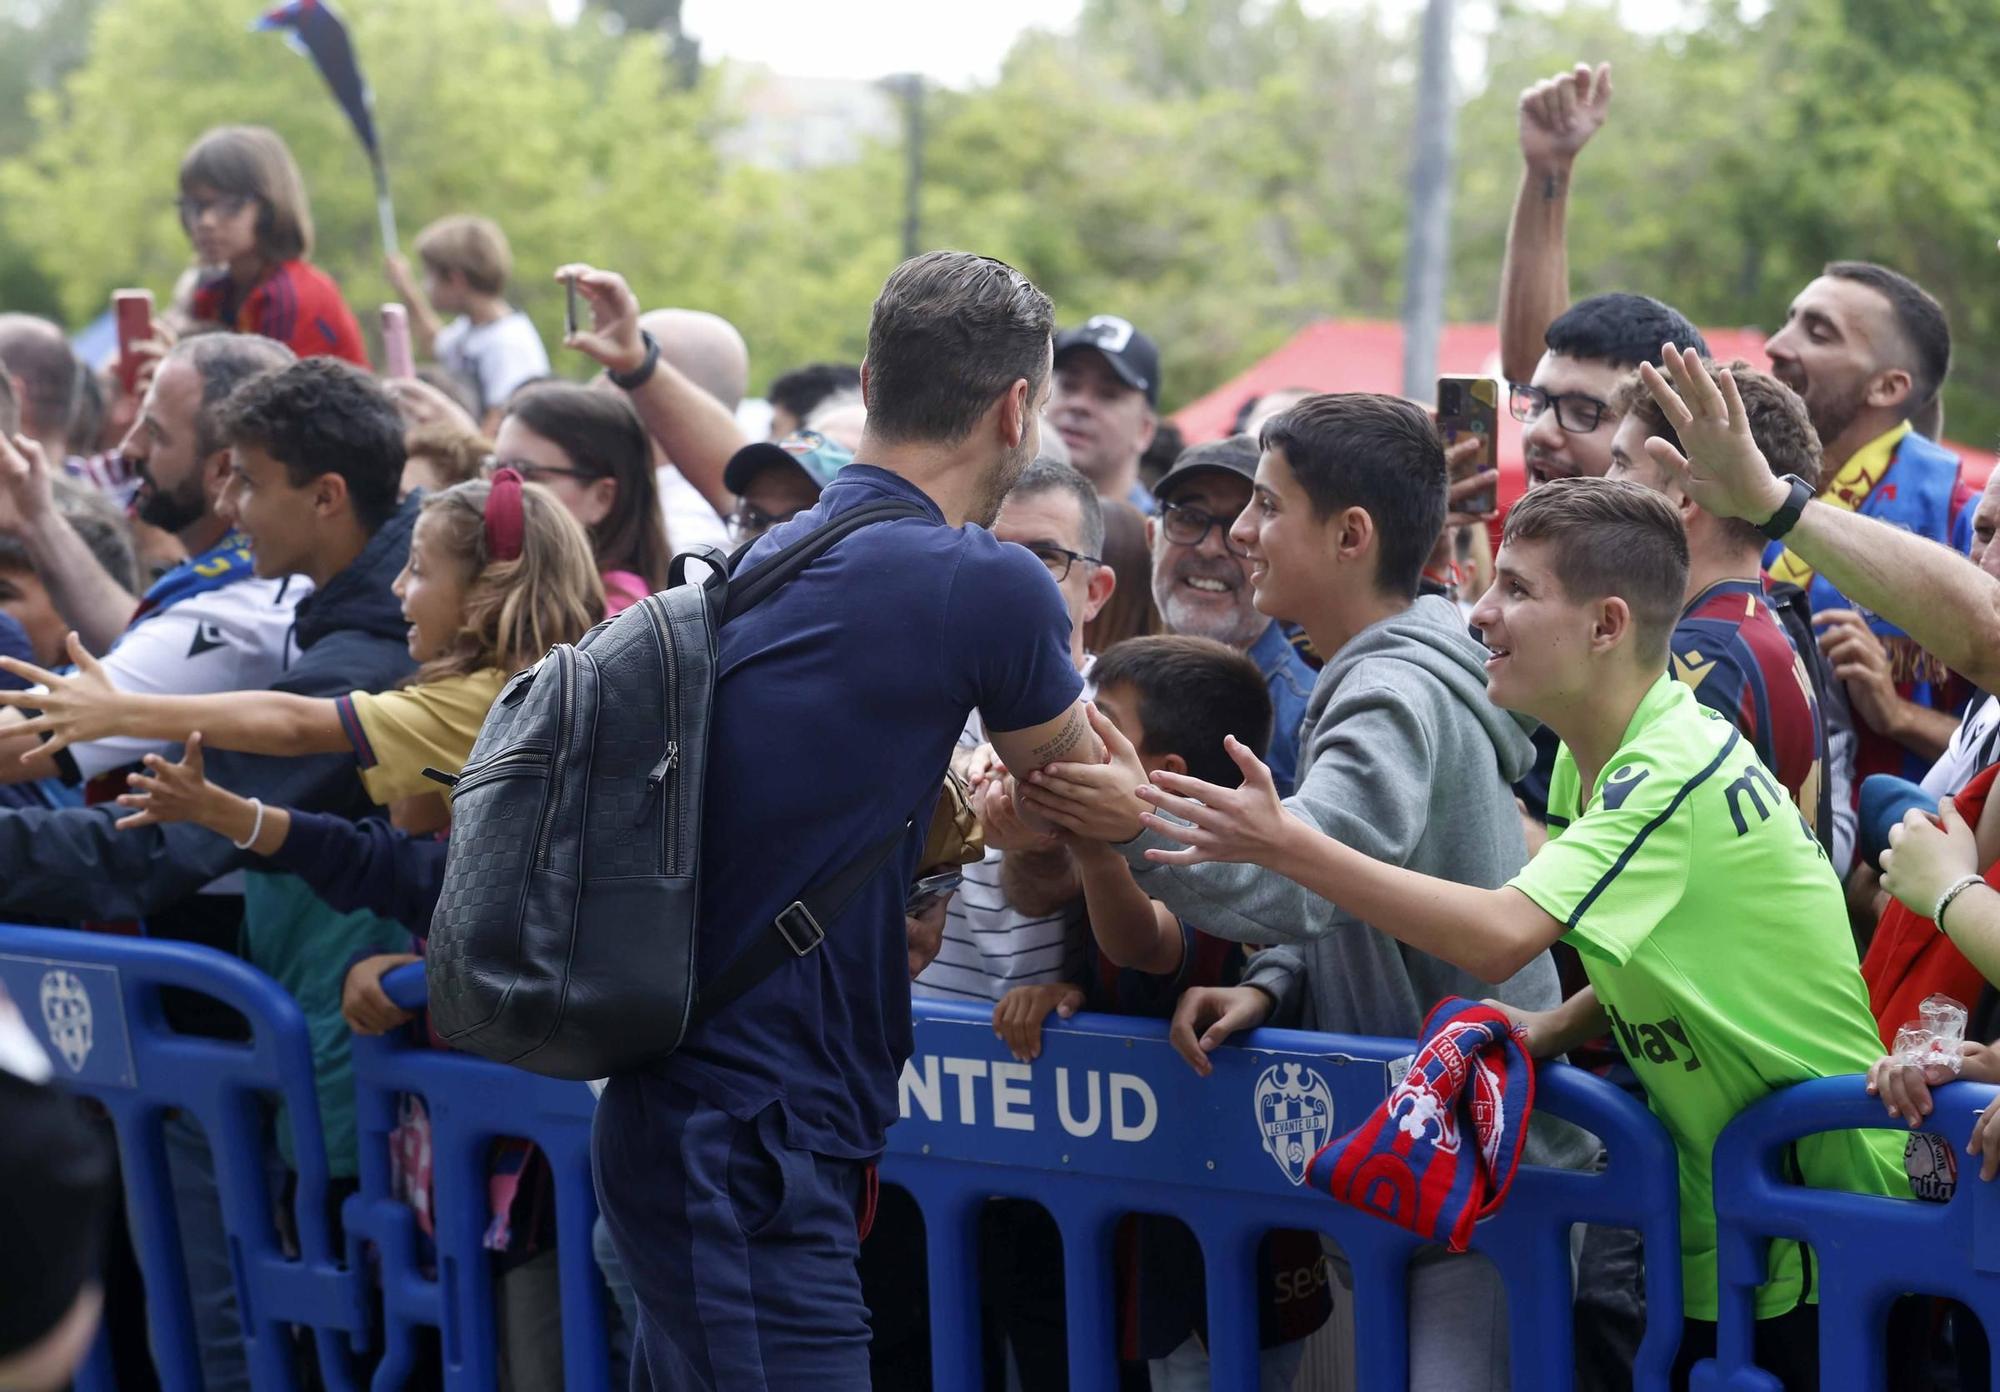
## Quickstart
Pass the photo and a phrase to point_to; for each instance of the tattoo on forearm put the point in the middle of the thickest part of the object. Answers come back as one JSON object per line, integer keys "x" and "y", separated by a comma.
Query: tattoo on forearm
{"x": 1073, "y": 732}
{"x": 1552, "y": 187}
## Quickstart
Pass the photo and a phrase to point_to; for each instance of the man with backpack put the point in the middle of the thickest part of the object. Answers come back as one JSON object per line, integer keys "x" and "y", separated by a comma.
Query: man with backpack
{"x": 736, "y": 1173}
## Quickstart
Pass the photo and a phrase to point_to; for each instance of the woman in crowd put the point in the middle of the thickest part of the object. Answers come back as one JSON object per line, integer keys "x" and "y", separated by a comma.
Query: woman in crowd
{"x": 589, "y": 449}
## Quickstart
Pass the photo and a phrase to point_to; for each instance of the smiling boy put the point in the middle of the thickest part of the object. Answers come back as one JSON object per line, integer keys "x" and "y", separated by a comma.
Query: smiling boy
{"x": 1663, "y": 827}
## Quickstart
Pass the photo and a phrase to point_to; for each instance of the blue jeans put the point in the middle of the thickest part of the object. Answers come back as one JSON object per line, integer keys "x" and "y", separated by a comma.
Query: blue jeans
{"x": 740, "y": 1247}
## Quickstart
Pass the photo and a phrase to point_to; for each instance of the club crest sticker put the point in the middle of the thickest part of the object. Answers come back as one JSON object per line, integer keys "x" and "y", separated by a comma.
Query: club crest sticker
{"x": 1932, "y": 1167}
{"x": 1295, "y": 1114}
{"x": 66, "y": 1014}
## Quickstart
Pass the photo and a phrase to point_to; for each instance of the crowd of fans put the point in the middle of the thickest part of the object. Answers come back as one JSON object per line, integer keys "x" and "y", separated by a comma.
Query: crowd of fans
{"x": 1692, "y": 776}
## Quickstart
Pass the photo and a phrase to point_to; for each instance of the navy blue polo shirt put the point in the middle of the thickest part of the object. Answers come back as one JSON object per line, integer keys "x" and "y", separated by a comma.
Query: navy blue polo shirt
{"x": 838, "y": 704}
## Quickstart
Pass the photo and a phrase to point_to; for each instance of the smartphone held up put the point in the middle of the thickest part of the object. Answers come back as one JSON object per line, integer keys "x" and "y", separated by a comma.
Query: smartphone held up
{"x": 133, "y": 311}
{"x": 396, "y": 357}
{"x": 1470, "y": 406}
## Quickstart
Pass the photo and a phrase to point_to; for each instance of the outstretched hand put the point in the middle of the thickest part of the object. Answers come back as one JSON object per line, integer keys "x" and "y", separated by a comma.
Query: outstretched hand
{"x": 613, "y": 336}
{"x": 76, "y": 709}
{"x": 170, "y": 792}
{"x": 1722, "y": 469}
{"x": 1091, "y": 801}
{"x": 1247, "y": 824}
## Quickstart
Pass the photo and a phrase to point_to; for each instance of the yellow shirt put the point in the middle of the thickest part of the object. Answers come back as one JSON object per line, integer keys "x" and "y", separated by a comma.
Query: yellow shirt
{"x": 398, "y": 734}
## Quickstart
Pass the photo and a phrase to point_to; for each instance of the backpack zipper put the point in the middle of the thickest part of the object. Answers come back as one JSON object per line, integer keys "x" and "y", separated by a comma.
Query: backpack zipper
{"x": 502, "y": 766}
{"x": 565, "y": 657}
{"x": 671, "y": 760}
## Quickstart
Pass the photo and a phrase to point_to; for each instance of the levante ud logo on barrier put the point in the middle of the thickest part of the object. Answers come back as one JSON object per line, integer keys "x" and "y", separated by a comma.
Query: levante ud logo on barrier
{"x": 1295, "y": 1113}
{"x": 66, "y": 1015}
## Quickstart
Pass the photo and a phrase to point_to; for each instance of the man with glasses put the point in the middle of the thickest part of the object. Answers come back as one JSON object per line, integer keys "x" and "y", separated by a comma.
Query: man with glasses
{"x": 775, "y": 481}
{"x": 1201, "y": 582}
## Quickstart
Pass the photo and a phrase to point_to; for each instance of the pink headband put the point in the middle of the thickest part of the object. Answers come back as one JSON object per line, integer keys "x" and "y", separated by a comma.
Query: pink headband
{"x": 505, "y": 522}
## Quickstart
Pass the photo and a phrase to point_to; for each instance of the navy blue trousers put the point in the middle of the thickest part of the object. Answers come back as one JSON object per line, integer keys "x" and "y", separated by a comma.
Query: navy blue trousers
{"x": 741, "y": 1248}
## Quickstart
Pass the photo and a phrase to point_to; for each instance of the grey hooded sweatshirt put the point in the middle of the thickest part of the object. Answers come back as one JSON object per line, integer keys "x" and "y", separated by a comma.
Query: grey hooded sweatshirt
{"x": 1401, "y": 756}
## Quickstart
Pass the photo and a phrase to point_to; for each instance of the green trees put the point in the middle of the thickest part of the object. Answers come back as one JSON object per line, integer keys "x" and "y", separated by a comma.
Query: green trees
{"x": 1220, "y": 171}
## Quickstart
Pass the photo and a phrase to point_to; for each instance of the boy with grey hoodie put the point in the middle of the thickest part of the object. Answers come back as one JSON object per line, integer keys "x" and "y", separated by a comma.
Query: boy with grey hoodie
{"x": 1401, "y": 754}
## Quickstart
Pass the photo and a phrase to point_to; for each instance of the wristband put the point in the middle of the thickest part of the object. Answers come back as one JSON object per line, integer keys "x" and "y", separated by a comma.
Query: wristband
{"x": 1945, "y": 899}
{"x": 640, "y": 375}
{"x": 1781, "y": 522}
{"x": 256, "y": 827}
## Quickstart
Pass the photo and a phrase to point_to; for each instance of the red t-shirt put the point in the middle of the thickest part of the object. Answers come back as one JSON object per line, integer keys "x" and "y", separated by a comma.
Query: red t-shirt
{"x": 296, "y": 303}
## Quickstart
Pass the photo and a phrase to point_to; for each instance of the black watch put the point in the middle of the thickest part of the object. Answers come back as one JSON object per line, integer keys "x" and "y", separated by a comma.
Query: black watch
{"x": 1786, "y": 517}
{"x": 640, "y": 375}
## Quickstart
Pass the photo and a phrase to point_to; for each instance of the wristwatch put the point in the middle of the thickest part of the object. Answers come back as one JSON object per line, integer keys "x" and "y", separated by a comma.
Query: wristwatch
{"x": 637, "y": 377}
{"x": 1786, "y": 517}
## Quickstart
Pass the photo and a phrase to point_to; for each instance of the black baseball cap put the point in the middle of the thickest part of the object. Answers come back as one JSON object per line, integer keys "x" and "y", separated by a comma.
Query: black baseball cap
{"x": 1132, "y": 355}
{"x": 1234, "y": 454}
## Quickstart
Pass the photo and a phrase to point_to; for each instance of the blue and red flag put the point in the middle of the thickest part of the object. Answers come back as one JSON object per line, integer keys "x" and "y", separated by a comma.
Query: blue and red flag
{"x": 315, "y": 30}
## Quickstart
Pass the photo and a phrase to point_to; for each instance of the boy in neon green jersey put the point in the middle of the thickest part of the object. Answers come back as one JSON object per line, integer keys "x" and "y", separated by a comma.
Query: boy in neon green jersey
{"x": 1708, "y": 918}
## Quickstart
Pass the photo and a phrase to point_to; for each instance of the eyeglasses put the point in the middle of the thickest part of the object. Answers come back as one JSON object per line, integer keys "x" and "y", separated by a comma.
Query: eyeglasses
{"x": 1189, "y": 526}
{"x": 193, "y": 209}
{"x": 529, "y": 472}
{"x": 1575, "y": 412}
{"x": 747, "y": 522}
{"x": 1059, "y": 560}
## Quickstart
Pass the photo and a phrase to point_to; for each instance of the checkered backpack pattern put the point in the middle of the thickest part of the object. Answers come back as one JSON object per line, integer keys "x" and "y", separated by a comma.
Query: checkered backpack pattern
{"x": 564, "y": 938}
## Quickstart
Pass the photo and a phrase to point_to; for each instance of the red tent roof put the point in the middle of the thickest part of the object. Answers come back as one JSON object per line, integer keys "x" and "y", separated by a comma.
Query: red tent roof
{"x": 1367, "y": 355}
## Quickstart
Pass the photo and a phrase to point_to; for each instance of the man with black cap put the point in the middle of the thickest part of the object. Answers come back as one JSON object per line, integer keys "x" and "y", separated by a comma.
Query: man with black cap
{"x": 1201, "y": 581}
{"x": 1107, "y": 388}
{"x": 775, "y": 481}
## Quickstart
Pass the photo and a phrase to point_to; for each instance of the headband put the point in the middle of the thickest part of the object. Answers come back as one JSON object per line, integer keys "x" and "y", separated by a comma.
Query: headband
{"x": 505, "y": 522}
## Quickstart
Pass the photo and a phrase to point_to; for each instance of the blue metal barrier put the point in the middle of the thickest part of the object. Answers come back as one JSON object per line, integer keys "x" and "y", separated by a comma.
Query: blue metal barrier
{"x": 471, "y": 1103}
{"x": 1869, "y": 1249}
{"x": 1110, "y": 1121}
{"x": 95, "y": 1003}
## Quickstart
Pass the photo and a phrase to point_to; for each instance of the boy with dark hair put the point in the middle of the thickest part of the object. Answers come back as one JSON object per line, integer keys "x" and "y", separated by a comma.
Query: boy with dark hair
{"x": 1177, "y": 699}
{"x": 491, "y": 346}
{"x": 1663, "y": 827}
{"x": 1400, "y": 752}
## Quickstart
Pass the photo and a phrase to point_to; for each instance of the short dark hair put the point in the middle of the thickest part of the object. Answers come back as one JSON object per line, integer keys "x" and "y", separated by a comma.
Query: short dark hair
{"x": 1920, "y": 319}
{"x": 36, "y": 351}
{"x": 1622, "y": 329}
{"x": 224, "y": 362}
{"x": 602, "y": 435}
{"x": 1047, "y": 475}
{"x": 1779, "y": 424}
{"x": 1611, "y": 537}
{"x": 1377, "y": 453}
{"x": 1192, "y": 692}
{"x": 950, "y": 332}
{"x": 253, "y": 162}
{"x": 324, "y": 416}
{"x": 803, "y": 388}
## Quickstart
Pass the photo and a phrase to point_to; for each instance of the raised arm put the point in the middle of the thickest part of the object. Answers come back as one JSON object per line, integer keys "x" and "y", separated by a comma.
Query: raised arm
{"x": 86, "y": 706}
{"x": 1131, "y": 929}
{"x": 1557, "y": 119}
{"x": 1943, "y": 601}
{"x": 698, "y": 432}
{"x": 83, "y": 592}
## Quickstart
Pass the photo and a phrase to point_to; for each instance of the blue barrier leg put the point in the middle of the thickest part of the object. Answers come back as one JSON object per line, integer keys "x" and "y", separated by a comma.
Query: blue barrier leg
{"x": 156, "y": 1242}
{"x": 951, "y": 1244}
{"x": 586, "y": 1357}
{"x": 1090, "y": 1315}
{"x": 1381, "y": 1312}
{"x": 1229, "y": 1256}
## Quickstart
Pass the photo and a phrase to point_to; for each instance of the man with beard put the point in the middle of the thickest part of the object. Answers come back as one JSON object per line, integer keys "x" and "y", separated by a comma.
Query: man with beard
{"x": 736, "y": 1174}
{"x": 1868, "y": 348}
{"x": 1201, "y": 582}
{"x": 210, "y": 624}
